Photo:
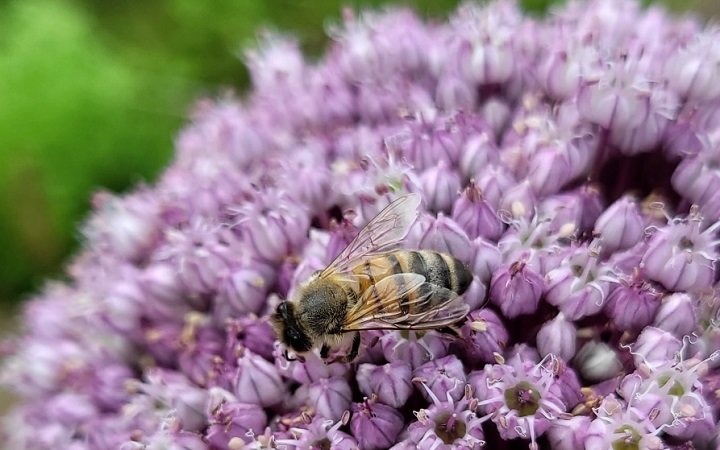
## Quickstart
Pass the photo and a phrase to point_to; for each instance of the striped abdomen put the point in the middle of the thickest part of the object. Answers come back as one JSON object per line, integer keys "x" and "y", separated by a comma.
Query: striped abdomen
{"x": 439, "y": 269}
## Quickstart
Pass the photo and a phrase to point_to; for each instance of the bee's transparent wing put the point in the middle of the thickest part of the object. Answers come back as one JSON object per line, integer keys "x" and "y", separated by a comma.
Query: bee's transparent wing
{"x": 385, "y": 230}
{"x": 405, "y": 301}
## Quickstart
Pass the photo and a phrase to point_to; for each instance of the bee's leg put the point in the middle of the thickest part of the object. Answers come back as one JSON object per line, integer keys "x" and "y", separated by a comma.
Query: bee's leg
{"x": 296, "y": 358}
{"x": 451, "y": 330}
{"x": 324, "y": 351}
{"x": 355, "y": 349}
{"x": 287, "y": 356}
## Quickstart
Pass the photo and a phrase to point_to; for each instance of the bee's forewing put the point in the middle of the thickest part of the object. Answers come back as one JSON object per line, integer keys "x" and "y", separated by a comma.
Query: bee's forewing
{"x": 385, "y": 230}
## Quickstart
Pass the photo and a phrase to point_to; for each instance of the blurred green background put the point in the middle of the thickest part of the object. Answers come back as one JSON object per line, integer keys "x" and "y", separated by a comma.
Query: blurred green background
{"x": 92, "y": 93}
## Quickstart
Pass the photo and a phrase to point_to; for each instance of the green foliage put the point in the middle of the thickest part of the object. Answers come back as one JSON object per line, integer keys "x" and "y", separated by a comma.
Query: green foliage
{"x": 72, "y": 117}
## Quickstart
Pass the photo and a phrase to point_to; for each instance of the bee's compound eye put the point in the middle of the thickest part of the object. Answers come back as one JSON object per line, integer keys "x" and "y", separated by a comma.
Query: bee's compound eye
{"x": 282, "y": 309}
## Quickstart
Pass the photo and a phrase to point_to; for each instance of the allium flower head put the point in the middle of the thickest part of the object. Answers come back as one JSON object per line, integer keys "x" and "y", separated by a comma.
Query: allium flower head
{"x": 570, "y": 161}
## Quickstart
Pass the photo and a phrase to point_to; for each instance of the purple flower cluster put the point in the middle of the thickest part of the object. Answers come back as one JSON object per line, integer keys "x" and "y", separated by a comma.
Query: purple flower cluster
{"x": 572, "y": 162}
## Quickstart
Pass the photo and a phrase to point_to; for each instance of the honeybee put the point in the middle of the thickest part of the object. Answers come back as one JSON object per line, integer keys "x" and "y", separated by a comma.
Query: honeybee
{"x": 371, "y": 286}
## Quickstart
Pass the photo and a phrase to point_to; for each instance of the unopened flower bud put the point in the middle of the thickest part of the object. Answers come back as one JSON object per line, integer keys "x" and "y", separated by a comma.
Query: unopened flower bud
{"x": 245, "y": 290}
{"x": 188, "y": 400}
{"x": 632, "y": 304}
{"x": 390, "y": 382}
{"x": 230, "y": 419}
{"x": 129, "y": 227}
{"x": 655, "y": 347}
{"x": 329, "y": 397}
{"x": 496, "y": 113}
{"x": 310, "y": 369}
{"x": 618, "y": 98}
{"x": 255, "y": 334}
{"x": 476, "y": 294}
{"x": 677, "y": 315}
{"x": 692, "y": 70}
{"x": 597, "y": 361}
{"x": 455, "y": 93}
{"x": 444, "y": 377}
{"x": 440, "y": 187}
{"x": 569, "y": 434}
{"x": 275, "y": 233}
{"x": 516, "y": 289}
{"x": 258, "y": 381}
{"x": 413, "y": 347}
{"x": 476, "y": 216}
{"x": 568, "y": 384}
{"x": 444, "y": 235}
{"x": 696, "y": 177}
{"x": 549, "y": 170}
{"x": 681, "y": 256}
{"x": 621, "y": 226}
{"x": 374, "y": 425}
{"x": 494, "y": 182}
{"x": 557, "y": 337}
{"x": 522, "y": 351}
{"x": 519, "y": 201}
{"x": 477, "y": 153}
{"x": 486, "y": 259}
{"x": 484, "y": 336}
{"x": 578, "y": 287}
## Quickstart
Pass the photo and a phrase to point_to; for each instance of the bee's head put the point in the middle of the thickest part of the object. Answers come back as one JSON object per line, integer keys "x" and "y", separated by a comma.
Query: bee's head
{"x": 288, "y": 330}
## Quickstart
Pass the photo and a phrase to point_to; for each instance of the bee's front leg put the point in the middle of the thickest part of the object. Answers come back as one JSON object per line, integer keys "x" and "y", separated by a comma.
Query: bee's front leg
{"x": 325, "y": 351}
{"x": 354, "y": 350}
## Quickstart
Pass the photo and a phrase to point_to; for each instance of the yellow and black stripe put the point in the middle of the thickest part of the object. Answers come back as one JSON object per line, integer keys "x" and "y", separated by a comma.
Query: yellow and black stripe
{"x": 439, "y": 269}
